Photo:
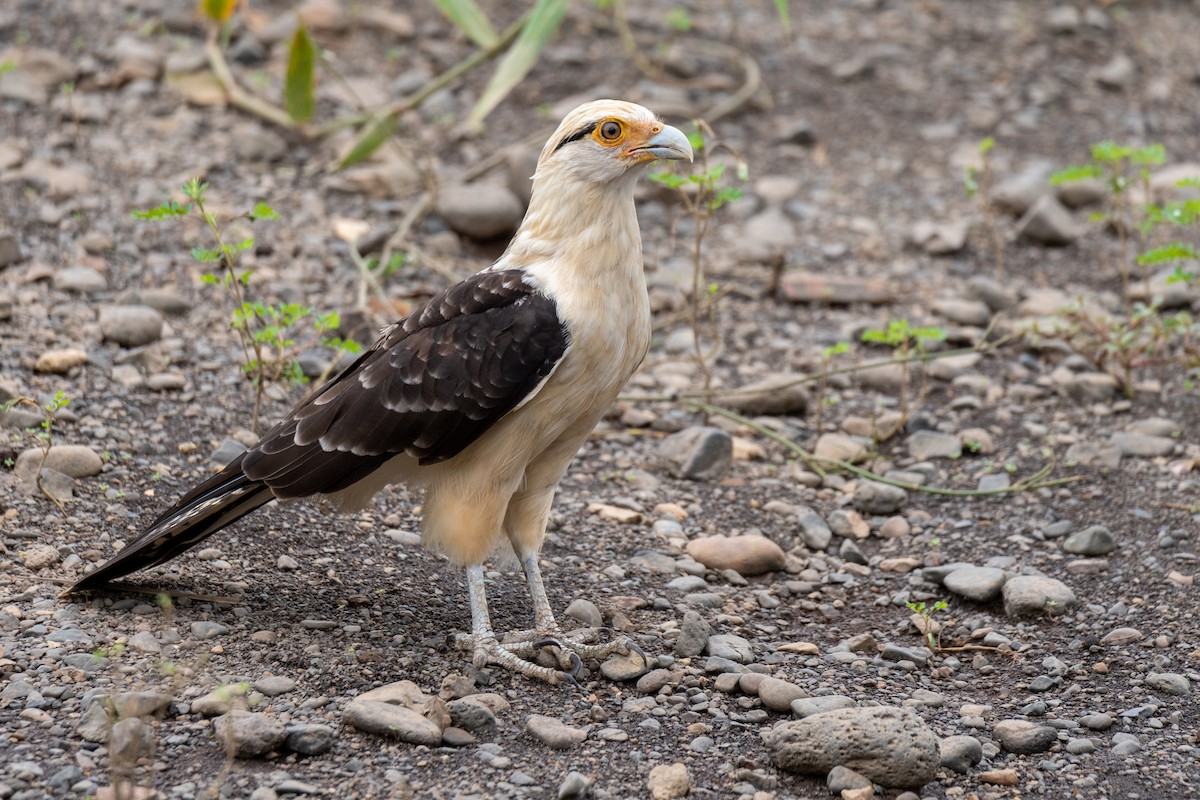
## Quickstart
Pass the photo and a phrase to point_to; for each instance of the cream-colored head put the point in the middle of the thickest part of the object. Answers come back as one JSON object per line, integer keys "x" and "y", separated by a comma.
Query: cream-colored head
{"x": 607, "y": 140}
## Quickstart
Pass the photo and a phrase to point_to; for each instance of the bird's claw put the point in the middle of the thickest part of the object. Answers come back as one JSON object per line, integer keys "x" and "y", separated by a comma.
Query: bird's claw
{"x": 518, "y": 654}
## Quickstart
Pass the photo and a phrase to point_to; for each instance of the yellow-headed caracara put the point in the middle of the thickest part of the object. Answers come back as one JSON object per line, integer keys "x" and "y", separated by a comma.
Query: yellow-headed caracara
{"x": 483, "y": 396}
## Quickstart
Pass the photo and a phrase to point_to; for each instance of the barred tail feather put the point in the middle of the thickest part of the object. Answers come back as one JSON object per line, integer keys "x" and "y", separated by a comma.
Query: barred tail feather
{"x": 222, "y": 499}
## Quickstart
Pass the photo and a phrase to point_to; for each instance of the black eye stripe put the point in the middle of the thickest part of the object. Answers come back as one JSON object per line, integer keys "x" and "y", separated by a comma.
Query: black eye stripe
{"x": 586, "y": 130}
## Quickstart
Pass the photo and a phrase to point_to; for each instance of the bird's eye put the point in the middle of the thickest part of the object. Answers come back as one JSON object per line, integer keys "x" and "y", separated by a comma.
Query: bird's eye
{"x": 610, "y": 130}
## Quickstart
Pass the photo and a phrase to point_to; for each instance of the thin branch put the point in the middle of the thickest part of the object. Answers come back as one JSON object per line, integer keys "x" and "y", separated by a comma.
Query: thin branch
{"x": 239, "y": 97}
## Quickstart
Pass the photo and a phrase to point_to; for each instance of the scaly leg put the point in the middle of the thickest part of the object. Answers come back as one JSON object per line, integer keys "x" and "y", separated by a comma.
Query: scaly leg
{"x": 487, "y": 650}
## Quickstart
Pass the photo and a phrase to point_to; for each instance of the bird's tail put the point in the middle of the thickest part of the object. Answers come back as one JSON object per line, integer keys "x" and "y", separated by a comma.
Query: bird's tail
{"x": 227, "y": 496}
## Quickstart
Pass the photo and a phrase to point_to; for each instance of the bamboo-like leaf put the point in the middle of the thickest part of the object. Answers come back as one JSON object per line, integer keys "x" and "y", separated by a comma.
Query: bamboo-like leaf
{"x": 299, "y": 94}
{"x": 470, "y": 19}
{"x": 543, "y": 22}
{"x": 1176, "y": 251}
{"x": 785, "y": 17}
{"x": 217, "y": 10}
{"x": 375, "y": 133}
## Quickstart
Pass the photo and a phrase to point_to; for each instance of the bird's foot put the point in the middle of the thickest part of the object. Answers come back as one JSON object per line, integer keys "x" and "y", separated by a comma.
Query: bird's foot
{"x": 520, "y": 652}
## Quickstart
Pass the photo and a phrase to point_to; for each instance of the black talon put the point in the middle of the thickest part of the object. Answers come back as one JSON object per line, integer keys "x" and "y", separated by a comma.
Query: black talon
{"x": 569, "y": 677}
{"x": 549, "y": 642}
{"x": 642, "y": 653}
{"x": 576, "y": 666}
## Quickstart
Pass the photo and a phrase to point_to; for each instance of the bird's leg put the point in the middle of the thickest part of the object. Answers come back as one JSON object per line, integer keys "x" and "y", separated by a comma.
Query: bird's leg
{"x": 486, "y": 649}
{"x": 547, "y": 632}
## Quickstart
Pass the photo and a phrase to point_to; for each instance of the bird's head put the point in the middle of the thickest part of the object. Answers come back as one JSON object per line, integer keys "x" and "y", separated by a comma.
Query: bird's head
{"x": 604, "y": 141}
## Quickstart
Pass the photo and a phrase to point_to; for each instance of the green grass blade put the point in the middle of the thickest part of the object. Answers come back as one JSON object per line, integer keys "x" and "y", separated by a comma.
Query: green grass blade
{"x": 470, "y": 19}
{"x": 543, "y": 22}
{"x": 299, "y": 91}
{"x": 218, "y": 10}
{"x": 375, "y": 133}
{"x": 785, "y": 16}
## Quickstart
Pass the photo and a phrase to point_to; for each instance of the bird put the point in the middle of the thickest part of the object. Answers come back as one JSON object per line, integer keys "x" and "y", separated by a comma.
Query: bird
{"x": 481, "y": 398}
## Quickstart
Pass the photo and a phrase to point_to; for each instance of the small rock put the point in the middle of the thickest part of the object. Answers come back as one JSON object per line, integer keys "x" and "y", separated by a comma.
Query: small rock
{"x": 1022, "y": 737}
{"x": 924, "y": 445}
{"x": 747, "y": 555}
{"x": 207, "y": 629}
{"x": 80, "y": 279}
{"x": 131, "y": 326}
{"x": 128, "y": 740}
{"x": 964, "y": 312}
{"x": 248, "y": 735}
{"x": 999, "y": 777}
{"x": 1169, "y": 683}
{"x": 141, "y": 704}
{"x": 693, "y": 635}
{"x": 472, "y": 715}
{"x": 309, "y": 739}
{"x": 940, "y": 239}
{"x": 397, "y": 722}
{"x": 585, "y": 611}
{"x": 697, "y": 453}
{"x": 39, "y": 556}
{"x": 669, "y": 781}
{"x": 890, "y": 746}
{"x": 814, "y": 287}
{"x": 574, "y": 787}
{"x": 1116, "y": 74}
{"x": 873, "y": 497}
{"x": 1048, "y": 222}
{"x": 849, "y": 524}
{"x": 10, "y": 249}
{"x": 1096, "y": 540}
{"x": 784, "y": 394}
{"x": 960, "y": 753}
{"x": 75, "y": 460}
{"x": 730, "y": 646}
{"x": 994, "y": 294}
{"x": 808, "y": 706}
{"x": 1119, "y": 637}
{"x": 981, "y": 584}
{"x": 1142, "y": 446}
{"x": 814, "y": 530}
{"x": 1028, "y": 595}
{"x": 778, "y": 695}
{"x": 60, "y": 362}
{"x": 839, "y": 447}
{"x": 274, "y": 685}
{"x": 481, "y": 211}
{"x": 553, "y": 733}
{"x": 628, "y": 667}
{"x": 841, "y": 779}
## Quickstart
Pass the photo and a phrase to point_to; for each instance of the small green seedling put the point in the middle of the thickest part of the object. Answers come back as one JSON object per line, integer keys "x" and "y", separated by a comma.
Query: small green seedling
{"x": 44, "y": 438}
{"x": 928, "y": 626}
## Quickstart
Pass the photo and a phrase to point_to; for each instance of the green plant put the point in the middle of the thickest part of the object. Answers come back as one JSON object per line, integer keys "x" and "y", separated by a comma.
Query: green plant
{"x": 828, "y": 354}
{"x": 928, "y": 625}
{"x": 979, "y": 182}
{"x": 44, "y": 438}
{"x": 267, "y": 333}
{"x": 702, "y": 193}
{"x": 906, "y": 341}
{"x": 1120, "y": 167}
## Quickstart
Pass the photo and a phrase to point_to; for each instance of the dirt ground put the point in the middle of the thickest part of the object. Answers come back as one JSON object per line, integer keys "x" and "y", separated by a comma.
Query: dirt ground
{"x": 867, "y": 115}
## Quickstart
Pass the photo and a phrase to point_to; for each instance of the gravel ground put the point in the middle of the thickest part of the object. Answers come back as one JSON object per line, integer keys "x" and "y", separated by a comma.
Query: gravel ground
{"x": 307, "y": 653}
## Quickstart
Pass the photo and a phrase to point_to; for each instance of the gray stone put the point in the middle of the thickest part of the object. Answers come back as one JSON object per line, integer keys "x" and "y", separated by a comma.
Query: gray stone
{"x": 839, "y": 447}
{"x": 1048, "y": 222}
{"x": 1140, "y": 445}
{"x": 654, "y": 680}
{"x": 1096, "y": 540}
{"x": 964, "y": 312}
{"x": 1117, "y": 74}
{"x": 472, "y": 715}
{"x": 96, "y": 720}
{"x": 1023, "y": 737}
{"x": 960, "y": 753}
{"x": 585, "y": 611}
{"x": 693, "y": 635}
{"x": 249, "y": 735}
{"x": 840, "y": 778}
{"x": 575, "y": 786}
{"x": 697, "y": 453}
{"x": 1094, "y": 454}
{"x": 994, "y": 294}
{"x": 814, "y": 530}
{"x": 747, "y": 555}
{"x": 309, "y": 739}
{"x": 940, "y": 238}
{"x": 39, "y": 556}
{"x": 80, "y": 279}
{"x": 10, "y": 249}
{"x": 628, "y": 667}
{"x": 669, "y": 781}
{"x": 481, "y": 211}
{"x": 873, "y": 497}
{"x": 75, "y": 460}
{"x": 981, "y": 584}
{"x": 274, "y": 685}
{"x": 783, "y": 394}
{"x": 1029, "y": 595}
{"x": 554, "y": 733}
{"x": 207, "y": 629}
{"x": 128, "y": 740}
{"x": 397, "y": 722}
{"x": 1082, "y": 193}
{"x": 994, "y": 482}
{"x": 1096, "y": 722}
{"x": 730, "y": 646}
{"x": 141, "y": 704}
{"x": 890, "y": 746}
{"x": 1119, "y": 637}
{"x": 1169, "y": 683}
{"x": 924, "y": 445}
{"x": 808, "y": 706}
{"x": 131, "y": 326}
{"x": 778, "y": 695}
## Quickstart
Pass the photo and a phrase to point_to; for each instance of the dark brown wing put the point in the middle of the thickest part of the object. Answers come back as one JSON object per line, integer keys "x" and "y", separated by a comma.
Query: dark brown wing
{"x": 429, "y": 387}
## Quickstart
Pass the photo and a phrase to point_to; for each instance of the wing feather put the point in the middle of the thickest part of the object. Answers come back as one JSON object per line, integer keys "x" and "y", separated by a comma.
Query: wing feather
{"x": 429, "y": 387}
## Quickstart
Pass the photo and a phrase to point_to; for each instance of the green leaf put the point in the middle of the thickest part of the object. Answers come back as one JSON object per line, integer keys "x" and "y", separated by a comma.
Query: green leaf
{"x": 470, "y": 19}
{"x": 210, "y": 279}
{"x": 1109, "y": 152}
{"x": 1150, "y": 154}
{"x": 542, "y": 23}
{"x": 678, "y": 19}
{"x": 1176, "y": 251}
{"x": 205, "y": 256}
{"x": 1188, "y": 183}
{"x": 986, "y": 145}
{"x": 165, "y": 211}
{"x": 262, "y": 211}
{"x": 299, "y": 94}
{"x": 374, "y": 134}
{"x": 785, "y": 17}
{"x": 218, "y": 10}
{"x": 696, "y": 140}
{"x": 195, "y": 189}
{"x": 1072, "y": 174}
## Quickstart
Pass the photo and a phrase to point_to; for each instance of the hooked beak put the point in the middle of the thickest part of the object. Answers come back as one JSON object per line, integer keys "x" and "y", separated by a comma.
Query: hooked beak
{"x": 669, "y": 143}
